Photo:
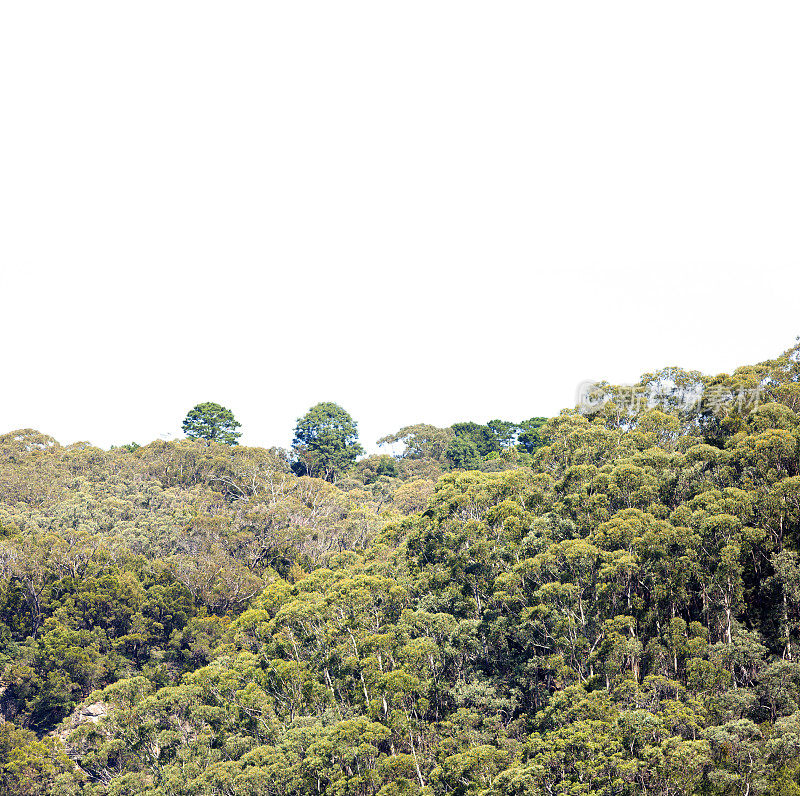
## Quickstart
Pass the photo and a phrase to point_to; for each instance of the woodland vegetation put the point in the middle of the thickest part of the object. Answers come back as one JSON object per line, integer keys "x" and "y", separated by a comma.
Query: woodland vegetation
{"x": 603, "y": 603}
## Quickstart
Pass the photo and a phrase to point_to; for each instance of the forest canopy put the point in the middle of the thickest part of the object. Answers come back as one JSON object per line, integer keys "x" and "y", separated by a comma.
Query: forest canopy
{"x": 603, "y": 603}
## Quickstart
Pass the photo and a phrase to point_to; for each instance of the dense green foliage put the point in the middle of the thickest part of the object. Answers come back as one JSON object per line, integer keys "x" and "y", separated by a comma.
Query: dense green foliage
{"x": 606, "y": 604}
{"x": 326, "y": 442}
{"x": 213, "y": 423}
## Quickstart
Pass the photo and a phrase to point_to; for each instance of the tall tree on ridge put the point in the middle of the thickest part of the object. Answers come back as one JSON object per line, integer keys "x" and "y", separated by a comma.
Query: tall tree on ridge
{"x": 212, "y": 423}
{"x": 325, "y": 442}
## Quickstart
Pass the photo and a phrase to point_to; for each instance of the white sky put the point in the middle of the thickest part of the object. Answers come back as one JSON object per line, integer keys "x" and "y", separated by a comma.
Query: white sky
{"x": 425, "y": 211}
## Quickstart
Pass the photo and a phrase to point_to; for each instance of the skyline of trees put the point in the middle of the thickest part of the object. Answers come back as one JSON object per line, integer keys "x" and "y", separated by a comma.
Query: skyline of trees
{"x": 614, "y": 612}
{"x": 326, "y": 443}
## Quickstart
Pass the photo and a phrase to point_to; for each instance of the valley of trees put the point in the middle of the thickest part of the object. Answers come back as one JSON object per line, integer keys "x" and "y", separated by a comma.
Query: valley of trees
{"x": 602, "y": 603}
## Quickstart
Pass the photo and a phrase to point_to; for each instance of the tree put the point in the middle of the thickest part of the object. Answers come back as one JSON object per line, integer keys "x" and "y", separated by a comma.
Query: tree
{"x": 481, "y": 437}
{"x": 33, "y": 767}
{"x": 530, "y": 434}
{"x": 213, "y": 423}
{"x": 462, "y": 454}
{"x": 494, "y": 437}
{"x": 325, "y": 442}
{"x": 421, "y": 441}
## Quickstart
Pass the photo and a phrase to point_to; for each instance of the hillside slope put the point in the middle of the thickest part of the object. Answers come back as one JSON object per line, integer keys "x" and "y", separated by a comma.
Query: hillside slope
{"x": 614, "y": 609}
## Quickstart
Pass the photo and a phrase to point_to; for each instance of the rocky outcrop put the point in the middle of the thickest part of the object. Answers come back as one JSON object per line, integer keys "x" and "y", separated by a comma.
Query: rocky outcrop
{"x": 82, "y": 715}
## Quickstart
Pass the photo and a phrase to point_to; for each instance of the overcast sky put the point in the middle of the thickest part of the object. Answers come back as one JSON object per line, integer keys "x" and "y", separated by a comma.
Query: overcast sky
{"x": 424, "y": 211}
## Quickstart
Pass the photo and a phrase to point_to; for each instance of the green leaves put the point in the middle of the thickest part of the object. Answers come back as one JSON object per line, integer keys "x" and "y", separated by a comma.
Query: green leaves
{"x": 463, "y": 454}
{"x": 211, "y": 422}
{"x": 33, "y": 767}
{"x": 326, "y": 442}
{"x": 615, "y": 612}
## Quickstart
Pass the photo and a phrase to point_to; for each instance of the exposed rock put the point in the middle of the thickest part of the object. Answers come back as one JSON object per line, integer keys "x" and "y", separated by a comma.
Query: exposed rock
{"x": 83, "y": 714}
